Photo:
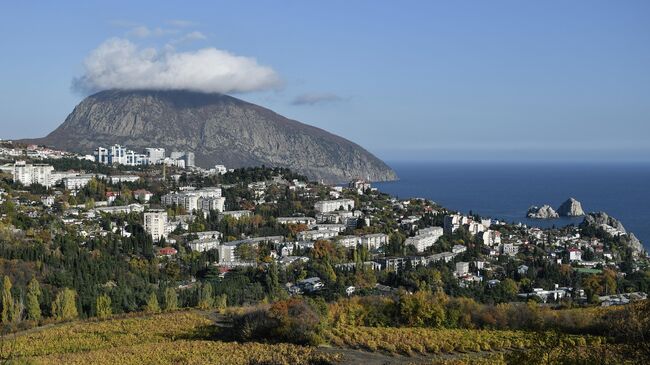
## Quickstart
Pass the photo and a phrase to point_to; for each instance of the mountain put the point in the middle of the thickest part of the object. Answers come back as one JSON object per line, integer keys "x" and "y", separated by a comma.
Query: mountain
{"x": 219, "y": 129}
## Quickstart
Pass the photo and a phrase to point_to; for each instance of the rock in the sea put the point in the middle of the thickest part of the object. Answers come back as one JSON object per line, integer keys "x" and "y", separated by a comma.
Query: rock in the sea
{"x": 543, "y": 212}
{"x": 570, "y": 208}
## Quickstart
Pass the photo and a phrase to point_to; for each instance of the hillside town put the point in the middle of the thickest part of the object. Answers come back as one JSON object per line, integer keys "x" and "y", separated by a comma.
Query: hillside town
{"x": 275, "y": 231}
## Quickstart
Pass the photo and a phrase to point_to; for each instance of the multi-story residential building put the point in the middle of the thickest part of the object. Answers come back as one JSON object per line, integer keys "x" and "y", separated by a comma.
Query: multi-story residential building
{"x": 491, "y": 238}
{"x": 205, "y": 199}
{"x": 373, "y": 241}
{"x": 102, "y": 155}
{"x": 425, "y": 238}
{"x": 326, "y": 206}
{"x": 155, "y": 155}
{"x": 370, "y": 241}
{"x": 359, "y": 185}
{"x": 212, "y": 204}
{"x": 120, "y": 209}
{"x": 79, "y": 181}
{"x": 575, "y": 254}
{"x": 316, "y": 235}
{"x": 155, "y": 223}
{"x": 186, "y": 201}
{"x": 142, "y": 195}
{"x": 28, "y": 174}
{"x": 118, "y": 155}
{"x": 202, "y": 245}
{"x": 462, "y": 268}
{"x": 186, "y": 156}
{"x": 114, "y": 179}
{"x": 509, "y": 249}
{"x": 452, "y": 223}
{"x": 330, "y": 227}
{"x": 308, "y": 221}
{"x": 136, "y": 159}
{"x": 237, "y": 214}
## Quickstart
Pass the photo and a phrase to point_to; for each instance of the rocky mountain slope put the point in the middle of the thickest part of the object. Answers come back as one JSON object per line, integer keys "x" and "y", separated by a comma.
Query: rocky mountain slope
{"x": 614, "y": 227}
{"x": 218, "y": 128}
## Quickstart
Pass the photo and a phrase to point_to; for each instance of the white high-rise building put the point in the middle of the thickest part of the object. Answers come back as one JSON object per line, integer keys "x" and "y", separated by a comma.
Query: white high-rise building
{"x": 136, "y": 159}
{"x": 102, "y": 155}
{"x": 155, "y": 223}
{"x": 186, "y": 156}
{"x": 155, "y": 155}
{"x": 118, "y": 155}
{"x": 28, "y": 174}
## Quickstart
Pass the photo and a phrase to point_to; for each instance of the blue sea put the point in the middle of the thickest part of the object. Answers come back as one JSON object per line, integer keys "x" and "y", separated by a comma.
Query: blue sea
{"x": 505, "y": 190}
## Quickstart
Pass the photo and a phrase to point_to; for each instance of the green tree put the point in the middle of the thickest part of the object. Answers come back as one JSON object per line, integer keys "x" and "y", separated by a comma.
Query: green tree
{"x": 33, "y": 300}
{"x": 221, "y": 302}
{"x": 171, "y": 299}
{"x": 64, "y": 306}
{"x": 152, "y": 303}
{"x": 7, "y": 300}
{"x": 103, "y": 306}
{"x": 18, "y": 310}
{"x": 207, "y": 299}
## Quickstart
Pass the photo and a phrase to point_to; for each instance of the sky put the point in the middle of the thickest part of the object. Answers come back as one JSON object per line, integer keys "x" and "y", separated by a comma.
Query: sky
{"x": 408, "y": 80}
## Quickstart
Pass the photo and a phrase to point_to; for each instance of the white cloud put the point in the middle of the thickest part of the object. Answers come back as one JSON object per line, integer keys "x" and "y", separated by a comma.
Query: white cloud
{"x": 180, "y": 23}
{"x": 121, "y": 64}
{"x": 315, "y": 98}
{"x": 189, "y": 37}
{"x": 142, "y": 31}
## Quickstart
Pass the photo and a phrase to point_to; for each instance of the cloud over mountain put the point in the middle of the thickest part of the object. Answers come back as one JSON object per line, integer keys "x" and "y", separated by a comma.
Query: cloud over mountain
{"x": 121, "y": 64}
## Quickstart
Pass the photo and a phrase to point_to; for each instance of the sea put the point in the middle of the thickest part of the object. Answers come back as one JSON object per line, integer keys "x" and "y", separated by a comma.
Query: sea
{"x": 505, "y": 190}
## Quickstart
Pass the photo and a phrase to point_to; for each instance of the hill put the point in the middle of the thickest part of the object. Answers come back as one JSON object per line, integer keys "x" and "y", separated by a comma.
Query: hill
{"x": 219, "y": 129}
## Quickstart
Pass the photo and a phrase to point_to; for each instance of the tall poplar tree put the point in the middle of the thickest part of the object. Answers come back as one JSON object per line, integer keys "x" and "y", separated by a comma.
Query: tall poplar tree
{"x": 7, "y": 300}
{"x": 33, "y": 300}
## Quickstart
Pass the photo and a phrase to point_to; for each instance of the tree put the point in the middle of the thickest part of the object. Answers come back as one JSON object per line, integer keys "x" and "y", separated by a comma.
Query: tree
{"x": 152, "y": 303}
{"x": 64, "y": 307}
{"x": 171, "y": 299}
{"x": 18, "y": 310}
{"x": 509, "y": 289}
{"x": 7, "y": 300}
{"x": 207, "y": 299}
{"x": 221, "y": 302}
{"x": 103, "y": 306}
{"x": 33, "y": 300}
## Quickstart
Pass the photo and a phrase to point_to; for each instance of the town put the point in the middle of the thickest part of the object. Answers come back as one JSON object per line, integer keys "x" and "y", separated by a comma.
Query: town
{"x": 269, "y": 233}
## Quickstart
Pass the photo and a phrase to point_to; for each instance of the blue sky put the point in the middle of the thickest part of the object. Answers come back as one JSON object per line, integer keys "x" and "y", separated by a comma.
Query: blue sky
{"x": 480, "y": 80}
